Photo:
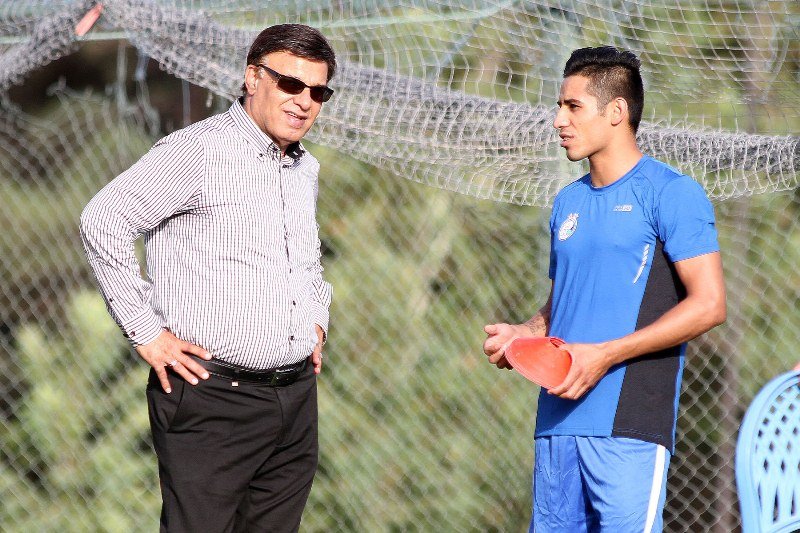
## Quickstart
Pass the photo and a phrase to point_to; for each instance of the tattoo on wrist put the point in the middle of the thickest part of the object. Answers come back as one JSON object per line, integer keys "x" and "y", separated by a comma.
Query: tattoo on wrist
{"x": 537, "y": 325}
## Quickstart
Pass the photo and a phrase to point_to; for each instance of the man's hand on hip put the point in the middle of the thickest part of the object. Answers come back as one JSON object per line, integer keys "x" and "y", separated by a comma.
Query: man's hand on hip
{"x": 316, "y": 356}
{"x": 167, "y": 350}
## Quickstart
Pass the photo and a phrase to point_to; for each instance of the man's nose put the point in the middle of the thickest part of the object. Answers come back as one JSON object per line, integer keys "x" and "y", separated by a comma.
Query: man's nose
{"x": 303, "y": 99}
{"x": 559, "y": 120}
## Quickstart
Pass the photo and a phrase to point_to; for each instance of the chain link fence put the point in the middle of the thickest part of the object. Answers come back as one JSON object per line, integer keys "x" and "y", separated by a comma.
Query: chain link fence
{"x": 440, "y": 125}
{"x": 418, "y": 432}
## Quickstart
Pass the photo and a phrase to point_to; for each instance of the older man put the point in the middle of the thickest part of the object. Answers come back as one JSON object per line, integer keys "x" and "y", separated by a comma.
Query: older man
{"x": 233, "y": 311}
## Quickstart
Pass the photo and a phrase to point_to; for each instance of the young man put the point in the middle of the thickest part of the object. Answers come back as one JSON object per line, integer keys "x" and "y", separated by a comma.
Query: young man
{"x": 233, "y": 312}
{"x": 636, "y": 272}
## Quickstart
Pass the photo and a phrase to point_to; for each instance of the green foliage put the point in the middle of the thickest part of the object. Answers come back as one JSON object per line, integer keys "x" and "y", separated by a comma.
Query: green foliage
{"x": 72, "y": 452}
{"x": 417, "y": 431}
{"x": 416, "y": 428}
{"x": 764, "y": 285}
{"x": 43, "y": 200}
{"x": 71, "y": 445}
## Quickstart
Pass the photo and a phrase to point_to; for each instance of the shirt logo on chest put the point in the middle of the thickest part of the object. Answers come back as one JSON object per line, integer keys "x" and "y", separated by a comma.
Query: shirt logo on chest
{"x": 624, "y": 208}
{"x": 568, "y": 227}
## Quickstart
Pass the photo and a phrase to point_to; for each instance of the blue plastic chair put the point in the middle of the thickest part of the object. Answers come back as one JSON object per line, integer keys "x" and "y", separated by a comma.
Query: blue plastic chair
{"x": 768, "y": 458}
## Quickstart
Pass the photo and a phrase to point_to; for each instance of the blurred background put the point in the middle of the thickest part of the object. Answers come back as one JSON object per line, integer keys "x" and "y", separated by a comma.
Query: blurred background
{"x": 438, "y": 166}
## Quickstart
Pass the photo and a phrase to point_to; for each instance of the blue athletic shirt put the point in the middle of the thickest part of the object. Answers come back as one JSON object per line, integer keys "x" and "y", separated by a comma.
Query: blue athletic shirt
{"x": 612, "y": 251}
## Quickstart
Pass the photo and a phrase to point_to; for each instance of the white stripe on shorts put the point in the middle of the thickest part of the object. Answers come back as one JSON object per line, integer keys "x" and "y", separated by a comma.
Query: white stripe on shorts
{"x": 655, "y": 488}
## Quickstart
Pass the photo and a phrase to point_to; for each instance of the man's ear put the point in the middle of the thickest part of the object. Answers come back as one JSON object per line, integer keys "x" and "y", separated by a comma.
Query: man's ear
{"x": 251, "y": 79}
{"x": 619, "y": 111}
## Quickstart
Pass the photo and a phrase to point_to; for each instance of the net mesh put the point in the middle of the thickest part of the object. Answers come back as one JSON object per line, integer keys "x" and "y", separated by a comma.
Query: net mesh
{"x": 459, "y": 94}
{"x": 417, "y": 431}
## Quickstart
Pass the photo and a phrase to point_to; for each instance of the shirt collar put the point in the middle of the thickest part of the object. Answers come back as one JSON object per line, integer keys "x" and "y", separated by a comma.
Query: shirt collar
{"x": 258, "y": 138}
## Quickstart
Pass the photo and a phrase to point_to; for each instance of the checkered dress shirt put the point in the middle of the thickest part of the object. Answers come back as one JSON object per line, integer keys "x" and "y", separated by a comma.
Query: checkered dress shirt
{"x": 231, "y": 241}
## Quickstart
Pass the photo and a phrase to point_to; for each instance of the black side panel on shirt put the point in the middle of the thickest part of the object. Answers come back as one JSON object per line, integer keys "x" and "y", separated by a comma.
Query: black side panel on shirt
{"x": 646, "y": 409}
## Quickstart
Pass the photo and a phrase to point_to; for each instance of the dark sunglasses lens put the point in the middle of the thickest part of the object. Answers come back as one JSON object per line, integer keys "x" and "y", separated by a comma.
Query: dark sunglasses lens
{"x": 291, "y": 85}
{"x": 321, "y": 94}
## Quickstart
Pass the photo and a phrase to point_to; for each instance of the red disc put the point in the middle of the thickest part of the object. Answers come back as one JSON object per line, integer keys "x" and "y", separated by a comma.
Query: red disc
{"x": 539, "y": 359}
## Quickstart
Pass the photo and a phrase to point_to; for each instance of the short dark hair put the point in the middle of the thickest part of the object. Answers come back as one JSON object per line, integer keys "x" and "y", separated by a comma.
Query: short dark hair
{"x": 297, "y": 39}
{"x": 612, "y": 73}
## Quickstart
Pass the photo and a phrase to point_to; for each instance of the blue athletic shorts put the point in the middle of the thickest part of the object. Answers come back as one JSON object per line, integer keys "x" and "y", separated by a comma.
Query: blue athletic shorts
{"x": 598, "y": 484}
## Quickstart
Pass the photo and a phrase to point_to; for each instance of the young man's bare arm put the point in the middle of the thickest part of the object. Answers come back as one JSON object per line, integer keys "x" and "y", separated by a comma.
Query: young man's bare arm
{"x": 539, "y": 324}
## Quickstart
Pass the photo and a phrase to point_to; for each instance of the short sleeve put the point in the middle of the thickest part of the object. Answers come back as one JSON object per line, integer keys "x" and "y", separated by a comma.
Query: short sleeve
{"x": 685, "y": 220}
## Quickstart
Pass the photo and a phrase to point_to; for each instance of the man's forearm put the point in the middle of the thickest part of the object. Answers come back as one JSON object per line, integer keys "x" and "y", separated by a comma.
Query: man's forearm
{"x": 539, "y": 324}
{"x": 680, "y": 324}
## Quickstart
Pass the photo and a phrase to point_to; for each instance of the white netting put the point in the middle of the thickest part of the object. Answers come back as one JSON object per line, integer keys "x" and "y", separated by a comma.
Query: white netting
{"x": 418, "y": 432}
{"x": 459, "y": 94}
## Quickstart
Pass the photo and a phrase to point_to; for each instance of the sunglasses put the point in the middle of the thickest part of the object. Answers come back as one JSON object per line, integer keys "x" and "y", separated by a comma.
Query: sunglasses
{"x": 290, "y": 85}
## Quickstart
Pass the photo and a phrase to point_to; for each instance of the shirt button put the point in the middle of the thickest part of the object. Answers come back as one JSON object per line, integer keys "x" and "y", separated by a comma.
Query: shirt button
{"x": 294, "y": 303}
{"x": 291, "y": 337}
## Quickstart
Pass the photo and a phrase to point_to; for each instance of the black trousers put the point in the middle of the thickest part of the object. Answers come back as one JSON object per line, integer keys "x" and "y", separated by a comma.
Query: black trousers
{"x": 234, "y": 456}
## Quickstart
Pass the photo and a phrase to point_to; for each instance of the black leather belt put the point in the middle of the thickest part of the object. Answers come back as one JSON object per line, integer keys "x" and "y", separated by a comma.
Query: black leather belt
{"x": 275, "y": 377}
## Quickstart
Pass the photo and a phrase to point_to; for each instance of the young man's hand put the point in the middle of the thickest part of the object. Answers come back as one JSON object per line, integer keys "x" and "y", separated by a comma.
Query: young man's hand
{"x": 590, "y": 363}
{"x": 499, "y": 337}
{"x": 316, "y": 356}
